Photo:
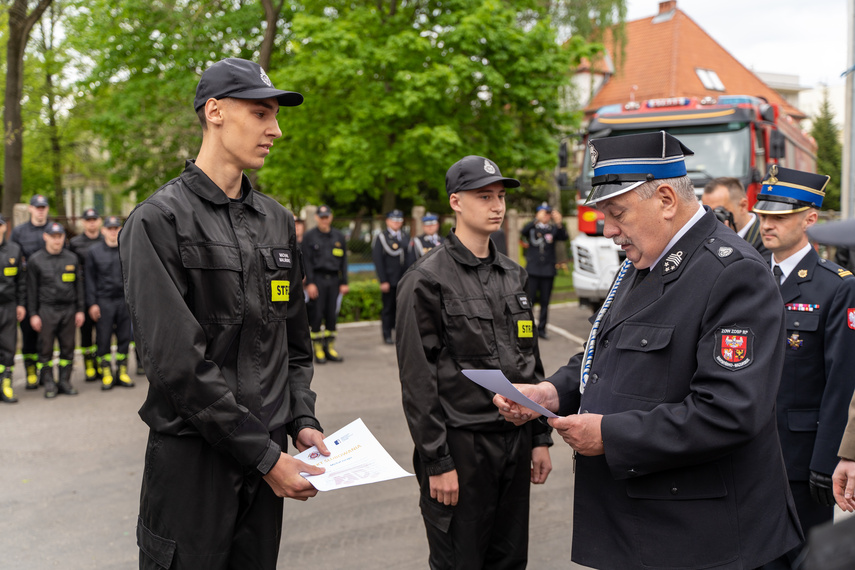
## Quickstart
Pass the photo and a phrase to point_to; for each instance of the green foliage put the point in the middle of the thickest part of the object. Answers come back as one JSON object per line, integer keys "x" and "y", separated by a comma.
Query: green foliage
{"x": 362, "y": 303}
{"x": 829, "y": 154}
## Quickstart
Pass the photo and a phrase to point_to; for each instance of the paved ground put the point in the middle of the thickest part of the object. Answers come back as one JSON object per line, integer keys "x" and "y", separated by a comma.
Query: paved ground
{"x": 70, "y": 472}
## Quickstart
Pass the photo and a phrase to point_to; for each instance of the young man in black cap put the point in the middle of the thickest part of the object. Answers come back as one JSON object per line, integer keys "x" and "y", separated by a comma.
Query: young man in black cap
{"x": 55, "y": 307}
{"x": 325, "y": 259}
{"x": 464, "y": 306}
{"x": 29, "y": 236}
{"x": 391, "y": 260}
{"x": 105, "y": 302}
{"x": 539, "y": 239}
{"x": 214, "y": 289}
{"x": 818, "y": 380}
{"x": 13, "y": 297}
{"x": 670, "y": 409}
{"x": 80, "y": 245}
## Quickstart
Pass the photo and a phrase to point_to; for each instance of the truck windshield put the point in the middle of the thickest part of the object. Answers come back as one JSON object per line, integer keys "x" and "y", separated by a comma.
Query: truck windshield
{"x": 720, "y": 150}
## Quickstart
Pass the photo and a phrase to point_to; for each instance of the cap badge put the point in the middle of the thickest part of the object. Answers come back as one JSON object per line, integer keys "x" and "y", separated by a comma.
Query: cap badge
{"x": 802, "y": 273}
{"x": 725, "y": 251}
{"x": 673, "y": 261}
{"x": 266, "y": 79}
{"x": 488, "y": 168}
{"x": 594, "y": 156}
{"x": 773, "y": 175}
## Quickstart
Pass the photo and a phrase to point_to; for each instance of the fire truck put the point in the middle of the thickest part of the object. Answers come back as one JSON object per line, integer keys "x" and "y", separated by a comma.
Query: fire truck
{"x": 735, "y": 135}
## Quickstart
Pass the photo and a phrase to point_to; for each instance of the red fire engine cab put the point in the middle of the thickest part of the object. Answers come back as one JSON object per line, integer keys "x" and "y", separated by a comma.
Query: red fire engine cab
{"x": 735, "y": 135}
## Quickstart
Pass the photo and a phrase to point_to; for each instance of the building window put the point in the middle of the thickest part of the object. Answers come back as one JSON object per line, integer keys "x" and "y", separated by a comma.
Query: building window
{"x": 710, "y": 79}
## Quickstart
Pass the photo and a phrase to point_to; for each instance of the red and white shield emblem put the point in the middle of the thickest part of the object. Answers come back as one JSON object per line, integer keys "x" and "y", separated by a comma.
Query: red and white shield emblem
{"x": 733, "y": 347}
{"x": 851, "y": 318}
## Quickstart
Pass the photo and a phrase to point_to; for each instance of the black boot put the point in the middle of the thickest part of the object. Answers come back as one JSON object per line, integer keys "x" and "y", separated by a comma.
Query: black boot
{"x": 329, "y": 348}
{"x": 32, "y": 374}
{"x": 6, "y": 393}
{"x": 91, "y": 367}
{"x": 64, "y": 385}
{"x": 46, "y": 380}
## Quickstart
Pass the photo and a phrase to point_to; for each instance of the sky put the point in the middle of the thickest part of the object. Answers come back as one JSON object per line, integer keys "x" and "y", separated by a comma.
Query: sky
{"x": 807, "y": 38}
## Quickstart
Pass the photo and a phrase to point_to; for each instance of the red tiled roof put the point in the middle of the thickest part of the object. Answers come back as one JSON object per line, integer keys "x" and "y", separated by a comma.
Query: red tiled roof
{"x": 661, "y": 58}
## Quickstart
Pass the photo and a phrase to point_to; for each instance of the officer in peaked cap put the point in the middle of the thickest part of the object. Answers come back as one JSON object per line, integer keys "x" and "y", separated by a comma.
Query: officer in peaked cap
{"x": 55, "y": 307}
{"x": 80, "y": 244}
{"x": 539, "y": 239}
{"x": 673, "y": 397}
{"x": 817, "y": 381}
{"x": 429, "y": 239}
{"x": 391, "y": 259}
{"x": 325, "y": 259}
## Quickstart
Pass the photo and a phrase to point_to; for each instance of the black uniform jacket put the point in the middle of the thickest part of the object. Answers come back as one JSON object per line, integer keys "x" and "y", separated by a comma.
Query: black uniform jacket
{"x": 13, "y": 282}
{"x": 423, "y": 244}
{"x": 103, "y": 272}
{"x": 29, "y": 237}
{"x": 540, "y": 253}
{"x": 686, "y": 371}
{"x": 819, "y": 366}
{"x": 755, "y": 237}
{"x": 456, "y": 313}
{"x": 390, "y": 256}
{"x": 53, "y": 280}
{"x": 324, "y": 252}
{"x": 214, "y": 291}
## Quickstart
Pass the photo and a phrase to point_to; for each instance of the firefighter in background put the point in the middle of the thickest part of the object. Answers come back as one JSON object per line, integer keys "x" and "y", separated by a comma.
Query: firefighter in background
{"x": 80, "y": 244}
{"x": 390, "y": 261}
{"x": 428, "y": 240}
{"x": 13, "y": 295}
{"x": 105, "y": 299}
{"x": 325, "y": 259}
{"x": 55, "y": 307}
{"x": 29, "y": 236}
{"x": 538, "y": 238}
{"x": 729, "y": 194}
{"x": 817, "y": 381}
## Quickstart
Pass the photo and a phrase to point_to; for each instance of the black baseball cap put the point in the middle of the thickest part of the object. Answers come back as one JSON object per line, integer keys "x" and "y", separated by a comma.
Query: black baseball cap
{"x": 55, "y": 228}
{"x": 324, "y": 211}
{"x": 39, "y": 201}
{"x": 91, "y": 214}
{"x": 240, "y": 79}
{"x": 112, "y": 222}
{"x": 471, "y": 172}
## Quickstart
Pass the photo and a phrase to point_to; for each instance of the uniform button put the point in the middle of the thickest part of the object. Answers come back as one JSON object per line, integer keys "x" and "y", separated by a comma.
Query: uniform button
{"x": 644, "y": 342}
{"x": 673, "y": 490}
{"x": 584, "y": 411}
{"x": 595, "y": 378}
{"x": 796, "y": 323}
{"x": 711, "y": 240}
{"x": 631, "y": 472}
{"x": 606, "y": 343}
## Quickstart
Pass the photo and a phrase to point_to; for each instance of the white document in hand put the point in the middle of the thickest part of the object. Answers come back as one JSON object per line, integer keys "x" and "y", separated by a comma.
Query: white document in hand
{"x": 356, "y": 458}
{"x": 495, "y": 381}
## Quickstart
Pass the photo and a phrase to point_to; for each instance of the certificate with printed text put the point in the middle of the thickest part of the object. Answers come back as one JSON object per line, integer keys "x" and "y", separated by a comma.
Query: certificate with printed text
{"x": 356, "y": 458}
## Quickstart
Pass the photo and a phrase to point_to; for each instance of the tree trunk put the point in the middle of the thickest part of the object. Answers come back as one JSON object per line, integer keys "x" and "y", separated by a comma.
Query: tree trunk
{"x": 55, "y": 149}
{"x": 271, "y": 16}
{"x": 20, "y": 25}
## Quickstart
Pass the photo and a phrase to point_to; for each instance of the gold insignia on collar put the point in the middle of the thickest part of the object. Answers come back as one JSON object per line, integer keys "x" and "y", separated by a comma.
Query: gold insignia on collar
{"x": 11, "y": 261}
{"x": 69, "y": 268}
{"x": 802, "y": 273}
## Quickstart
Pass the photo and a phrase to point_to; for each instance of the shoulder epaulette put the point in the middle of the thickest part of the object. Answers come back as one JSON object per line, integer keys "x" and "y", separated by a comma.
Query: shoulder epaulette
{"x": 841, "y": 272}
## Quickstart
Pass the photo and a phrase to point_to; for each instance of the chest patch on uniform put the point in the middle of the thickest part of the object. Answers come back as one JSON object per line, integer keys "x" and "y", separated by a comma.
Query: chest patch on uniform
{"x": 338, "y": 252}
{"x": 734, "y": 348}
{"x": 525, "y": 329}
{"x": 279, "y": 290}
{"x": 68, "y": 277}
{"x": 10, "y": 271}
{"x": 850, "y": 318}
{"x": 523, "y": 301}
{"x": 282, "y": 258}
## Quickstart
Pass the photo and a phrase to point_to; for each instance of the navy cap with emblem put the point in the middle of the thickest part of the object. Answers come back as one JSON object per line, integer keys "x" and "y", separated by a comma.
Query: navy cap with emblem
{"x": 240, "y": 79}
{"x": 91, "y": 214}
{"x": 112, "y": 222}
{"x": 54, "y": 228}
{"x": 623, "y": 163}
{"x": 472, "y": 172}
{"x": 786, "y": 191}
{"x": 39, "y": 201}
{"x": 324, "y": 211}
{"x": 544, "y": 206}
{"x": 429, "y": 218}
{"x": 395, "y": 216}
